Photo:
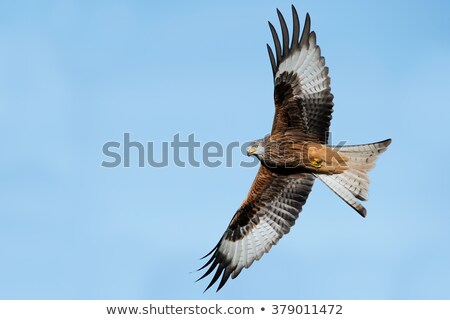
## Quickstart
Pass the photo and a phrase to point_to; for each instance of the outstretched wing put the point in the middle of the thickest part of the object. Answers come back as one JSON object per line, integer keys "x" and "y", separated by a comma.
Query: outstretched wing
{"x": 270, "y": 210}
{"x": 303, "y": 99}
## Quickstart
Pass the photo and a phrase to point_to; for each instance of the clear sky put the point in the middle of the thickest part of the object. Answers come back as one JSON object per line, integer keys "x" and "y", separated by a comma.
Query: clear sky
{"x": 77, "y": 74}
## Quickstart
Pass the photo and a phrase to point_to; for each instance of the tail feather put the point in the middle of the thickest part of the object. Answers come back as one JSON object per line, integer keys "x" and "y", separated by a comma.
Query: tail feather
{"x": 353, "y": 184}
{"x": 344, "y": 193}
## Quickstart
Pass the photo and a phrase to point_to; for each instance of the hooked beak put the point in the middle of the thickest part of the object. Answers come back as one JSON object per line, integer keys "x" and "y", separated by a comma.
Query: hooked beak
{"x": 251, "y": 151}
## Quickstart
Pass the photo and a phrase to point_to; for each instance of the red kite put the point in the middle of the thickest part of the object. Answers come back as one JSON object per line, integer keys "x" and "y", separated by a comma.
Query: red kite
{"x": 292, "y": 156}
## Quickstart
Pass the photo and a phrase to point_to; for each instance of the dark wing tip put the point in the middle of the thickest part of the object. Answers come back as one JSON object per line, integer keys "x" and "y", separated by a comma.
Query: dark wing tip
{"x": 363, "y": 212}
{"x": 304, "y": 40}
{"x": 386, "y": 142}
{"x": 276, "y": 41}
{"x": 209, "y": 253}
{"x": 284, "y": 32}
{"x": 296, "y": 32}
{"x": 222, "y": 269}
{"x": 225, "y": 277}
{"x": 272, "y": 60}
{"x": 283, "y": 48}
{"x": 308, "y": 22}
{"x": 216, "y": 277}
{"x": 211, "y": 268}
{"x": 216, "y": 261}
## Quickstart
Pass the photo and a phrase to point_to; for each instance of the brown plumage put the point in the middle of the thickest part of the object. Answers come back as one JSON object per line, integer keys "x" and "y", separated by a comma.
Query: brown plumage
{"x": 292, "y": 156}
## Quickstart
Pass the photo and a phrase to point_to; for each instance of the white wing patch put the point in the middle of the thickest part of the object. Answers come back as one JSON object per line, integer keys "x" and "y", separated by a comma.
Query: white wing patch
{"x": 274, "y": 220}
{"x": 309, "y": 66}
{"x": 250, "y": 248}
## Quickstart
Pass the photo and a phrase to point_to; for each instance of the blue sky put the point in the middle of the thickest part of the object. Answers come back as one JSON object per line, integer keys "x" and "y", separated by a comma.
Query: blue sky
{"x": 77, "y": 74}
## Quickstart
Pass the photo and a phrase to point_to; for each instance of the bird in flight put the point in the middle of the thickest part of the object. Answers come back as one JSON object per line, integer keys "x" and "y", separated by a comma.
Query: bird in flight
{"x": 292, "y": 156}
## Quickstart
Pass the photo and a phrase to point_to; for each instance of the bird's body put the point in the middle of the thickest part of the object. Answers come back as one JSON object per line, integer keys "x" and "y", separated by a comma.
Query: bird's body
{"x": 292, "y": 156}
{"x": 294, "y": 152}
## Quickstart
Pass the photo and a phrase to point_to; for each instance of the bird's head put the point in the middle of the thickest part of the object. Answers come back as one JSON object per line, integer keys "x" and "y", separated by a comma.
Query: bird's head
{"x": 256, "y": 148}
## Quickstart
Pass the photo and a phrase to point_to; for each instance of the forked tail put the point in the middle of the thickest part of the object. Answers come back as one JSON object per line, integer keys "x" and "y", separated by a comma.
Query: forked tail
{"x": 353, "y": 184}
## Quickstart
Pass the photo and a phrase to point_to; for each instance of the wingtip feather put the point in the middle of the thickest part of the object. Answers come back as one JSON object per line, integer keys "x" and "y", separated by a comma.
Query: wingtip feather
{"x": 296, "y": 32}
{"x": 276, "y": 41}
{"x": 284, "y": 32}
